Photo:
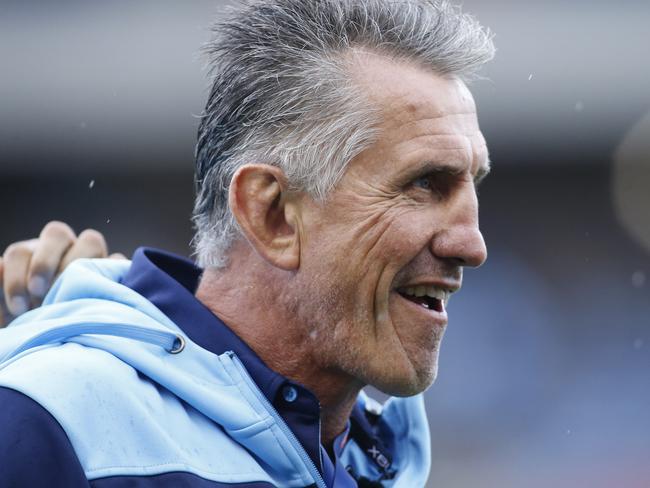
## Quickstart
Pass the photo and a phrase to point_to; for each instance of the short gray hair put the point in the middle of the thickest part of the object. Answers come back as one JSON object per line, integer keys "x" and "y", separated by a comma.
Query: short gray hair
{"x": 282, "y": 93}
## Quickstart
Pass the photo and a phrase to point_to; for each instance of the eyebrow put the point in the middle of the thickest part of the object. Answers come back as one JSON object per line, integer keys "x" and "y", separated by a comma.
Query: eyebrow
{"x": 435, "y": 168}
{"x": 482, "y": 172}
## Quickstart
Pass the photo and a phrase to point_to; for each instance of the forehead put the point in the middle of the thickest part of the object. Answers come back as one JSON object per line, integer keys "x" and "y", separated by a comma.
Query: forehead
{"x": 403, "y": 86}
{"x": 420, "y": 110}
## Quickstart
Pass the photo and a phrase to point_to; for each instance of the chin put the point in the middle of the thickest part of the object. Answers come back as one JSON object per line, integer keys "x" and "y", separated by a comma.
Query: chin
{"x": 409, "y": 382}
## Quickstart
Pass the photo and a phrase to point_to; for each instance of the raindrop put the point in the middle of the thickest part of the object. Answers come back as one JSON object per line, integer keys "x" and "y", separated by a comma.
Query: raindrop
{"x": 108, "y": 221}
{"x": 530, "y": 77}
{"x": 638, "y": 279}
{"x": 579, "y": 107}
{"x": 638, "y": 343}
{"x": 91, "y": 185}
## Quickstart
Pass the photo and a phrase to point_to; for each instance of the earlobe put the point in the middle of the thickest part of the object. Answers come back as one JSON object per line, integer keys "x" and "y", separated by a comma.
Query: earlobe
{"x": 266, "y": 214}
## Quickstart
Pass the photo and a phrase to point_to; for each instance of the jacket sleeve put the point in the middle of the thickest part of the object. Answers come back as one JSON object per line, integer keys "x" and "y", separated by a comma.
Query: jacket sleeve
{"x": 34, "y": 449}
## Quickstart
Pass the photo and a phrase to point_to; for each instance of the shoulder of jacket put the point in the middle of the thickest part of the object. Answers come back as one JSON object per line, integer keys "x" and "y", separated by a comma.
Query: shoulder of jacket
{"x": 121, "y": 423}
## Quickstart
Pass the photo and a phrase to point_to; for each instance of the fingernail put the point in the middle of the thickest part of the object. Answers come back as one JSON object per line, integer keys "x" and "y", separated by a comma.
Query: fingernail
{"x": 37, "y": 286}
{"x": 18, "y": 305}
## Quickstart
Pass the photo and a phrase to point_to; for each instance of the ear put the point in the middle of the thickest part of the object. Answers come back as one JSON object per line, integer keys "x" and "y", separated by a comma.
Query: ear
{"x": 267, "y": 216}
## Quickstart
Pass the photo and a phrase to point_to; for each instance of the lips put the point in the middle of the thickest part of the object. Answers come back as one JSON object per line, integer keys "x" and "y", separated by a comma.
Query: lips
{"x": 424, "y": 317}
{"x": 426, "y": 296}
{"x": 427, "y": 302}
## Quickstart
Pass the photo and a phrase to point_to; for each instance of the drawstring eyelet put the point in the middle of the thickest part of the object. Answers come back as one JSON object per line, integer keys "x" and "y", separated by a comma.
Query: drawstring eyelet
{"x": 178, "y": 346}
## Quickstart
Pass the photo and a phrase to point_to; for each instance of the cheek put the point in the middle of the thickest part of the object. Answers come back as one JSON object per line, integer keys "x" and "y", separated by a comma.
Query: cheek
{"x": 407, "y": 234}
{"x": 349, "y": 253}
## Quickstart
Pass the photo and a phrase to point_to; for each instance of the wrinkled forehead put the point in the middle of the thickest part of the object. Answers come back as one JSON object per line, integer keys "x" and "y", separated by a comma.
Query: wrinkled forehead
{"x": 405, "y": 93}
{"x": 425, "y": 117}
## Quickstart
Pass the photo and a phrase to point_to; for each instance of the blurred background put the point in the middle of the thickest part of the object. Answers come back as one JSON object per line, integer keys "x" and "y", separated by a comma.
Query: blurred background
{"x": 544, "y": 371}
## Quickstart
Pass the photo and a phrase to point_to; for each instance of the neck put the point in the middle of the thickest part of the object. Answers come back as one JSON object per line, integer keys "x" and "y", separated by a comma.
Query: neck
{"x": 258, "y": 314}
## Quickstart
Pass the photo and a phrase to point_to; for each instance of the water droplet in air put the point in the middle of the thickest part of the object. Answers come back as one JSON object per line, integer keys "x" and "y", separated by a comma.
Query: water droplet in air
{"x": 638, "y": 279}
{"x": 91, "y": 184}
{"x": 530, "y": 77}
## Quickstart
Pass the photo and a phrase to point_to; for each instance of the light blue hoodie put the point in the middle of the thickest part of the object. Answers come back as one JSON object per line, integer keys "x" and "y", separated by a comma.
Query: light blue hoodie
{"x": 136, "y": 397}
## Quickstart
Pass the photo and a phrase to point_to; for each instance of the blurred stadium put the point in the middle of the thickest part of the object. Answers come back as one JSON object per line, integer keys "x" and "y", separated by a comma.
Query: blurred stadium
{"x": 544, "y": 377}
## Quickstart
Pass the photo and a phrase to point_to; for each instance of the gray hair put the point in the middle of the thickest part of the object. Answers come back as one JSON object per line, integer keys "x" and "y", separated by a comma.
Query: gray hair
{"x": 282, "y": 92}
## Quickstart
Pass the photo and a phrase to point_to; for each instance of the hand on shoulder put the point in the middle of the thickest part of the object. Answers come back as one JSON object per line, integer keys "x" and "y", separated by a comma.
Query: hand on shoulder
{"x": 28, "y": 268}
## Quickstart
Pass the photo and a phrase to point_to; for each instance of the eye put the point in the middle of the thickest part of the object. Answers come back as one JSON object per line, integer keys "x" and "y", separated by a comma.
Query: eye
{"x": 423, "y": 182}
{"x": 429, "y": 184}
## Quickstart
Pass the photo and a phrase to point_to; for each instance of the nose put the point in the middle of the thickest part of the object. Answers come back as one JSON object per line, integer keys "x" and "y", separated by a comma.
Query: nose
{"x": 461, "y": 240}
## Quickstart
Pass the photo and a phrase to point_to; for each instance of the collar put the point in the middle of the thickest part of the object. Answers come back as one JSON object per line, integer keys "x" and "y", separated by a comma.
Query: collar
{"x": 169, "y": 282}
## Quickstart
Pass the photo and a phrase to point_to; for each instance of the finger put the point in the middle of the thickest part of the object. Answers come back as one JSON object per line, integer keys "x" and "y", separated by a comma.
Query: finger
{"x": 16, "y": 265}
{"x": 55, "y": 240}
{"x": 5, "y": 318}
{"x": 89, "y": 244}
{"x": 117, "y": 255}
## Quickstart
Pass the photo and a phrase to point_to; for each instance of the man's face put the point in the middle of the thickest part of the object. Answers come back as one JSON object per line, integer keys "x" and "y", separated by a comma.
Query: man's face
{"x": 381, "y": 255}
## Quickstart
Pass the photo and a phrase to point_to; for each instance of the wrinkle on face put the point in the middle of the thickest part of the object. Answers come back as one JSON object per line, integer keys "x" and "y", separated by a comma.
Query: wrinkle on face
{"x": 376, "y": 230}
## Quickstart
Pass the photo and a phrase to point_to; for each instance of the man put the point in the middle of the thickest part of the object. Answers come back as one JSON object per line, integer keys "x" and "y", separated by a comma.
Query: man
{"x": 336, "y": 172}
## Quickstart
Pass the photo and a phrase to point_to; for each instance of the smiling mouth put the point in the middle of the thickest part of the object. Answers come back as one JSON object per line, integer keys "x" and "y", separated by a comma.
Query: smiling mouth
{"x": 428, "y": 297}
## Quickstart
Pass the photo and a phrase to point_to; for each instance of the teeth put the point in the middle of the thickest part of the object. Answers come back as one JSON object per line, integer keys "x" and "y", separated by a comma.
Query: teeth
{"x": 437, "y": 293}
{"x": 430, "y": 291}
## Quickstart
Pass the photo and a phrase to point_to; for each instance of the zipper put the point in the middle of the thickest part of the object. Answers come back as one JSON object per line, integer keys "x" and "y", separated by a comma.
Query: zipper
{"x": 311, "y": 467}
